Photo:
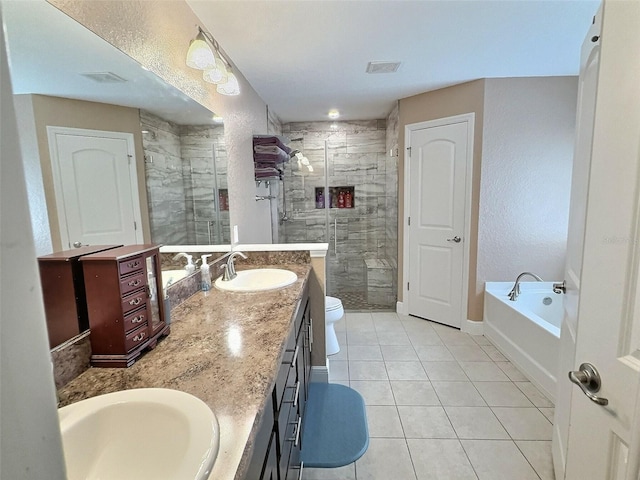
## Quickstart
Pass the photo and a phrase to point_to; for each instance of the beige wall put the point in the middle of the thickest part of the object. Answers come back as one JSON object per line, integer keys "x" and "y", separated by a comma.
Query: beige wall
{"x": 45, "y": 111}
{"x": 447, "y": 102}
{"x": 157, "y": 34}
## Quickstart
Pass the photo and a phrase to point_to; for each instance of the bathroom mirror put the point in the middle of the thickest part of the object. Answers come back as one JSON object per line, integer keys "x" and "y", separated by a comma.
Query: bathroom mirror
{"x": 183, "y": 148}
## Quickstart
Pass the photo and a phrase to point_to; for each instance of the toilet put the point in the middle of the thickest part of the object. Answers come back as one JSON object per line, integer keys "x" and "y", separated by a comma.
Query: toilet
{"x": 333, "y": 311}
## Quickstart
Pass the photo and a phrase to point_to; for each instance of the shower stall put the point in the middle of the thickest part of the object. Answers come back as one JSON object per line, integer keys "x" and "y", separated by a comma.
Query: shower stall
{"x": 342, "y": 189}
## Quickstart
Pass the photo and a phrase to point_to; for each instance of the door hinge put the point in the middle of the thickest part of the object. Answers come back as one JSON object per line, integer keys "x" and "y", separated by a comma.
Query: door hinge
{"x": 409, "y": 150}
{"x": 135, "y": 225}
{"x": 407, "y": 285}
{"x": 408, "y": 220}
{"x": 129, "y": 157}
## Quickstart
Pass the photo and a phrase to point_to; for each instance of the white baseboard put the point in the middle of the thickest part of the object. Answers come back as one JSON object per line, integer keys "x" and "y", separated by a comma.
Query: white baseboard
{"x": 473, "y": 328}
{"x": 320, "y": 374}
{"x": 400, "y": 308}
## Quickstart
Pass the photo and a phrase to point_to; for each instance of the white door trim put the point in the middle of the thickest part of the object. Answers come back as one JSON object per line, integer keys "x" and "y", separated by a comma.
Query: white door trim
{"x": 468, "y": 118}
{"x": 52, "y": 133}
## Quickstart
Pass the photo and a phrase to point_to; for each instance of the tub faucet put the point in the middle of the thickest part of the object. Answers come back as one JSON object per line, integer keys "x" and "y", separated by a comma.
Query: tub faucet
{"x": 229, "y": 267}
{"x": 515, "y": 291}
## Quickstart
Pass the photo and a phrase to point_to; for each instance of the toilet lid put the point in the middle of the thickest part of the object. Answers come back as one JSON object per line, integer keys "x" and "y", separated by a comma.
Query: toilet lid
{"x": 332, "y": 303}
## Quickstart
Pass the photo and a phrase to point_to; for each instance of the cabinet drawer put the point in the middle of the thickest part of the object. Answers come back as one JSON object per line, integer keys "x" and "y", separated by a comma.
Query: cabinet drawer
{"x": 132, "y": 283}
{"x": 134, "y": 301}
{"x": 135, "y": 319}
{"x": 130, "y": 265}
{"x": 136, "y": 337}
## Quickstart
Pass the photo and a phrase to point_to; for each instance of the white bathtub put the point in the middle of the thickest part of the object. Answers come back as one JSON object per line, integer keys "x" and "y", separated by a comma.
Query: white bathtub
{"x": 526, "y": 330}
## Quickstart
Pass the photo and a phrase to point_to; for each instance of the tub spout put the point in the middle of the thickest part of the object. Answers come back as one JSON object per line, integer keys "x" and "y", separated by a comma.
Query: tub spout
{"x": 515, "y": 291}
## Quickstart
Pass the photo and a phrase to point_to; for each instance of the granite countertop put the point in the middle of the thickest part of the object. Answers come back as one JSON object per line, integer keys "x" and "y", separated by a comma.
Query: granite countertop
{"x": 225, "y": 348}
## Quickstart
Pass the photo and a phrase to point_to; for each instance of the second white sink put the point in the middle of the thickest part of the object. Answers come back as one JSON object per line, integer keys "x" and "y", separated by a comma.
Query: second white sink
{"x": 257, "y": 280}
{"x": 139, "y": 434}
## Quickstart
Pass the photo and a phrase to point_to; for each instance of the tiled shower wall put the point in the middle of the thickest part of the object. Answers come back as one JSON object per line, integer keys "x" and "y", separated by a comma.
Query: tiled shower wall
{"x": 356, "y": 157}
{"x": 180, "y": 181}
{"x": 391, "y": 198}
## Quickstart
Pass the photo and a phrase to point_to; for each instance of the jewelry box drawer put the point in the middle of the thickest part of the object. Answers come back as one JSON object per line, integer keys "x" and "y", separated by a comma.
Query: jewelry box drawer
{"x": 130, "y": 265}
{"x": 135, "y": 319}
{"x": 137, "y": 337}
{"x": 133, "y": 301}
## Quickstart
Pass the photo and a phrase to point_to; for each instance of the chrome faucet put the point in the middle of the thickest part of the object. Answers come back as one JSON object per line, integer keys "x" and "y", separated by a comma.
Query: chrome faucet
{"x": 229, "y": 267}
{"x": 515, "y": 291}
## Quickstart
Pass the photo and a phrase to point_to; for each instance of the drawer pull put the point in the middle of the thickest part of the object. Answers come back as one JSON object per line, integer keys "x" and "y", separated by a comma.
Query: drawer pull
{"x": 296, "y": 432}
{"x": 296, "y": 395}
{"x": 139, "y": 319}
{"x": 135, "y": 283}
{"x": 133, "y": 264}
{"x": 135, "y": 301}
{"x": 295, "y": 356}
{"x": 139, "y": 337}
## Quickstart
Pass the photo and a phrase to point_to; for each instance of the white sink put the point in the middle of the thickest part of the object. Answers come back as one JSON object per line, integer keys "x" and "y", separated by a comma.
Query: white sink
{"x": 172, "y": 276}
{"x": 147, "y": 433}
{"x": 258, "y": 279}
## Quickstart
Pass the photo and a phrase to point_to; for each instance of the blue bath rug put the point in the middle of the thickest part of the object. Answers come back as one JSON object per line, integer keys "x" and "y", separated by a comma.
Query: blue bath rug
{"x": 335, "y": 431}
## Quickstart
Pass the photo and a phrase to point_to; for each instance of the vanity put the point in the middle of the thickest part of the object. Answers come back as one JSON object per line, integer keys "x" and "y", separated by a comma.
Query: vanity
{"x": 247, "y": 356}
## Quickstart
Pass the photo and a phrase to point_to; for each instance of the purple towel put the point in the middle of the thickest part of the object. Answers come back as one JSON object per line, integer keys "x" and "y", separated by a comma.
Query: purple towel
{"x": 270, "y": 140}
{"x": 268, "y": 158}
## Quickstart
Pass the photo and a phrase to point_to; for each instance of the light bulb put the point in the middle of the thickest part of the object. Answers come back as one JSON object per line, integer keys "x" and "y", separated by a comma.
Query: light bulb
{"x": 231, "y": 87}
{"x": 200, "y": 56}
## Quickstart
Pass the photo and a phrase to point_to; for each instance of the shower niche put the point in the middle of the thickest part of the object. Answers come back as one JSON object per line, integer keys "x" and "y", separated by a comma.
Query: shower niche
{"x": 337, "y": 197}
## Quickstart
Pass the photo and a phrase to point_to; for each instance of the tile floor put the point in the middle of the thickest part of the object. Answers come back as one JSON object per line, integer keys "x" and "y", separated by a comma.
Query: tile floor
{"x": 441, "y": 404}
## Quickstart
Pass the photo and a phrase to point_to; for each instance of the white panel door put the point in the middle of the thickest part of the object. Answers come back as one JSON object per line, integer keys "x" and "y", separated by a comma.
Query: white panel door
{"x": 438, "y": 174}
{"x": 96, "y": 188}
{"x": 603, "y": 307}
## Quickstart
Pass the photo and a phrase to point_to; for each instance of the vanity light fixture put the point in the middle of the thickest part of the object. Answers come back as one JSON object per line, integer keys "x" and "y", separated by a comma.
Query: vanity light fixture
{"x": 204, "y": 54}
{"x": 334, "y": 114}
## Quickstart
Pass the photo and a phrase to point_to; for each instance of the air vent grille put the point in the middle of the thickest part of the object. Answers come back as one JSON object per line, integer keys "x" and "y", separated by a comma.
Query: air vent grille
{"x": 383, "y": 67}
{"x": 104, "y": 77}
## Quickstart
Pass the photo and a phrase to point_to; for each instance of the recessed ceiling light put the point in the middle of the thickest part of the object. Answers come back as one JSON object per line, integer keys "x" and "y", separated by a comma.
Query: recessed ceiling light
{"x": 383, "y": 67}
{"x": 333, "y": 114}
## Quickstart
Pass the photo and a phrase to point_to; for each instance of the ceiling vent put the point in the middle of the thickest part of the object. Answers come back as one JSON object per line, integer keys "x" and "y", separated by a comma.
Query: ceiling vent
{"x": 104, "y": 77}
{"x": 383, "y": 67}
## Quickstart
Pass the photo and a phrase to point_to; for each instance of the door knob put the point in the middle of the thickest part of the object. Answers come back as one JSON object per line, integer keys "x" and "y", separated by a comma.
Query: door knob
{"x": 77, "y": 244}
{"x": 455, "y": 239}
{"x": 588, "y": 379}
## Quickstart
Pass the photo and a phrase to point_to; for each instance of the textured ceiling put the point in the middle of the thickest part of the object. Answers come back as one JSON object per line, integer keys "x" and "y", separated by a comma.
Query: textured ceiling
{"x": 307, "y": 57}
